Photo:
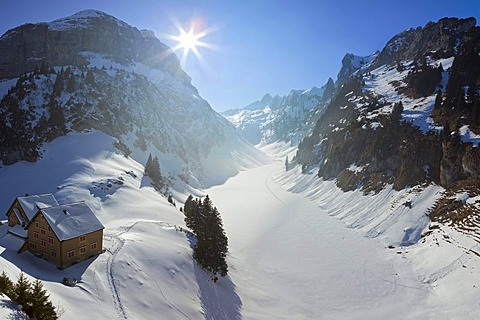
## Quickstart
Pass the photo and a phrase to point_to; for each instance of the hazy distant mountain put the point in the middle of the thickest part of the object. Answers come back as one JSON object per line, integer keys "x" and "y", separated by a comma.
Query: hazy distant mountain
{"x": 288, "y": 118}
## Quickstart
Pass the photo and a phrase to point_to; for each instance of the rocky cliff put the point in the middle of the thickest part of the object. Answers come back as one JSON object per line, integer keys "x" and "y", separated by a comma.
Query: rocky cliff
{"x": 62, "y": 42}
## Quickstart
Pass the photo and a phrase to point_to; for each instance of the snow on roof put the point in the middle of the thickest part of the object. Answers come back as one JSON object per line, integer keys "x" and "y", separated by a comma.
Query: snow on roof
{"x": 31, "y": 204}
{"x": 18, "y": 230}
{"x": 71, "y": 220}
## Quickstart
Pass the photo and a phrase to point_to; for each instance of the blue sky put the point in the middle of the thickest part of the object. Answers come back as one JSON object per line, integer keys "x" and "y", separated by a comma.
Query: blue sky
{"x": 261, "y": 46}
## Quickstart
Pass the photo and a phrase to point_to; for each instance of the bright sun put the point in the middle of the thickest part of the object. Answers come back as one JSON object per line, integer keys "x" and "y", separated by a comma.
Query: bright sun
{"x": 188, "y": 41}
{"x": 191, "y": 40}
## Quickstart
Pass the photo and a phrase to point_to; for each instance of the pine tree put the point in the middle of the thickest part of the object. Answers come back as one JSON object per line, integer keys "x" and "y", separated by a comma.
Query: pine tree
{"x": 397, "y": 113}
{"x": 6, "y": 285}
{"x": 21, "y": 292}
{"x": 286, "y": 163}
{"x": 148, "y": 165}
{"x": 58, "y": 85}
{"x": 43, "y": 68}
{"x": 189, "y": 210}
{"x": 41, "y": 307}
{"x": 152, "y": 170}
{"x": 212, "y": 244}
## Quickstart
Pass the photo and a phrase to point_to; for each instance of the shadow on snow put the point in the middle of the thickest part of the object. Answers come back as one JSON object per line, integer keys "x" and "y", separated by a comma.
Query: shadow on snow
{"x": 219, "y": 300}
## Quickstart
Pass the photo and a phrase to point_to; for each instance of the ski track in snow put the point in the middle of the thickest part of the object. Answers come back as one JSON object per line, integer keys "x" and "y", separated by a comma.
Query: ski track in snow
{"x": 116, "y": 237}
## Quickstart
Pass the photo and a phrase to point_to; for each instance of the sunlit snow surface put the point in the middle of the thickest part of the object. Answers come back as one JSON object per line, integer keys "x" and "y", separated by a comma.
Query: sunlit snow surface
{"x": 312, "y": 253}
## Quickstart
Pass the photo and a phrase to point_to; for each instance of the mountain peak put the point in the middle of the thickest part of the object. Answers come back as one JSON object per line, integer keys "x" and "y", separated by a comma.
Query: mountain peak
{"x": 67, "y": 41}
{"x": 82, "y": 19}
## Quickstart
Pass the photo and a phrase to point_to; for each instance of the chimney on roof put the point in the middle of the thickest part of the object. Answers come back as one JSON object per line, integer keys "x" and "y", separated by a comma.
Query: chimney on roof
{"x": 65, "y": 212}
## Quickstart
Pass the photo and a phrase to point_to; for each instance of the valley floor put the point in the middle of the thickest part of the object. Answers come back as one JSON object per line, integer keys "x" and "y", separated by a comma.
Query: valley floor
{"x": 291, "y": 260}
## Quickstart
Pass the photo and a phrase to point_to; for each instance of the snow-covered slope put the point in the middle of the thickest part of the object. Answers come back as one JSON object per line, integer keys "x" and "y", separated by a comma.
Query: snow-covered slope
{"x": 287, "y": 118}
{"x": 147, "y": 269}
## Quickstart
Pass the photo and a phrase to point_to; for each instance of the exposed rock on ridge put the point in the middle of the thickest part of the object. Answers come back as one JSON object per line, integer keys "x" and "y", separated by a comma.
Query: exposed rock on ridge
{"x": 62, "y": 41}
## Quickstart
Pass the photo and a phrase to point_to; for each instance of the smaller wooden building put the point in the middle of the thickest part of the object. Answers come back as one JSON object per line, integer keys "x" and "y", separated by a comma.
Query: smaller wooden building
{"x": 24, "y": 208}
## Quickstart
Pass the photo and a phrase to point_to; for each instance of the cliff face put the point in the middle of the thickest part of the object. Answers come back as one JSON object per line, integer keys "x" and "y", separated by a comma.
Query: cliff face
{"x": 441, "y": 39}
{"x": 62, "y": 42}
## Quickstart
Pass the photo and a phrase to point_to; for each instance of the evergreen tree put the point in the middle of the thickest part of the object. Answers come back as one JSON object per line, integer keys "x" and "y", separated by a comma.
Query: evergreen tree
{"x": 189, "y": 211}
{"x": 286, "y": 163}
{"x": 41, "y": 307}
{"x": 212, "y": 244}
{"x": 58, "y": 85}
{"x": 21, "y": 292}
{"x": 6, "y": 285}
{"x": 43, "y": 68}
{"x": 152, "y": 170}
{"x": 397, "y": 110}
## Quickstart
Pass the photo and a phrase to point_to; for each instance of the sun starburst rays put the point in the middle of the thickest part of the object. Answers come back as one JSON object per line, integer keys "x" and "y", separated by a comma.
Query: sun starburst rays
{"x": 191, "y": 41}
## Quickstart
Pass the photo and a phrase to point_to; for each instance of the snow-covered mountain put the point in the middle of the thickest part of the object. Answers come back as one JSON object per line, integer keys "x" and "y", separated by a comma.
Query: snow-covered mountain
{"x": 351, "y": 64}
{"x": 288, "y": 118}
{"x": 410, "y": 118}
{"x": 93, "y": 71}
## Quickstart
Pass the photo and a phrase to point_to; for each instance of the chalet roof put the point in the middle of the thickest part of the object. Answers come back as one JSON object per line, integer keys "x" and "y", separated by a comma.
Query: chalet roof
{"x": 31, "y": 204}
{"x": 71, "y": 220}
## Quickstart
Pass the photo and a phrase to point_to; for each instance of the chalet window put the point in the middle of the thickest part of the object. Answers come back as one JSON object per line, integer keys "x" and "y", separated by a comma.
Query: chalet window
{"x": 83, "y": 238}
{"x": 43, "y": 231}
{"x": 36, "y": 224}
{"x": 49, "y": 229}
{"x": 54, "y": 253}
{"x": 35, "y": 235}
{"x": 43, "y": 218}
{"x": 71, "y": 253}
{"x": 43, "y": 243}
{"x": 32, "y": 245}
{"x": 93, "y": 246}
{"x": 50, "y": 240}
{"x": 83, "y": 249}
